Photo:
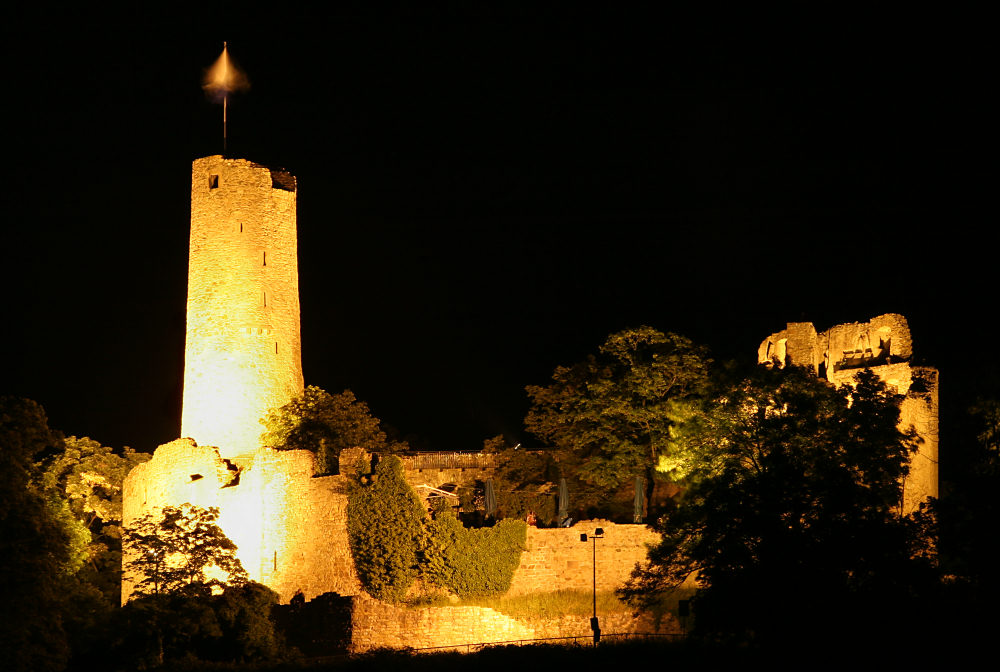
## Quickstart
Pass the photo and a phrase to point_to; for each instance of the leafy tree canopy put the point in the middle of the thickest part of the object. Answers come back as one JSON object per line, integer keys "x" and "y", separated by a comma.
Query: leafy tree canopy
{"x": 611, "y": 415}
{"x": 181, "y": 549}
{"x": 326, "y": 424}
{"x": 36, "y": 544}
{"x": 792, "y": 507}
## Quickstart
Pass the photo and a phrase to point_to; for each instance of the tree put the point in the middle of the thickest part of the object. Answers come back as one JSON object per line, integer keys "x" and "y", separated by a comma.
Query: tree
{"x": 36, "y": 549}
{"x": 385, "y": 525}
{"x": 181, "y": 549}
{"x": 791, "y": 513}
{"x": 611, "y": 415}
{"x": 326, "y": 424}
{"x": 85, "y": 479}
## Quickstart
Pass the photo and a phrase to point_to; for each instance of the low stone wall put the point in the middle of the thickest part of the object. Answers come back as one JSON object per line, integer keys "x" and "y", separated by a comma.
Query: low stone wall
{"x": 376, "y": 625}
{"x": 556, "y": 559}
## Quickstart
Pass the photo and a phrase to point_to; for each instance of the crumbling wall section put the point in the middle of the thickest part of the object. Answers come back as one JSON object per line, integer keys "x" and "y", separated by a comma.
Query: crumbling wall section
{"x": 290, "y": 527}
{"x": 884, "y": 346}
{"x": 795, "y": 345}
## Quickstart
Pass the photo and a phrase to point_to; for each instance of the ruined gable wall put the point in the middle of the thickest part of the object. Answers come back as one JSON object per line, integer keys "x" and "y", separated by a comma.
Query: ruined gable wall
{"x": 795, "y": 345}
{"x": 243, "y": 345}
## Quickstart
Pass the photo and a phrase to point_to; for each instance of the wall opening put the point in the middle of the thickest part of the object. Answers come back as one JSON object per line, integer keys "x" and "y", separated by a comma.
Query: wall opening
{"x": 264, "y": 259}
{"x": 213, "y": 181}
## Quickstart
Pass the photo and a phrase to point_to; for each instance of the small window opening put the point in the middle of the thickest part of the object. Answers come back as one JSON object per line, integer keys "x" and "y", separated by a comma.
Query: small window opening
{"x": 275, "y": 561}
{"x": 275, "y": 347}
{"x": 196, "y": 477}
{"x": 263, "y": 298}
{"x": 265, "y": 258}
{"x": 241, "y": 227}
{"x": 213, "y": 181}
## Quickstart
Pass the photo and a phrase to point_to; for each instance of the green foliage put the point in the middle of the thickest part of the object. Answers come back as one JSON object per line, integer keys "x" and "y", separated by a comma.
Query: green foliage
{"x": 471, "y": 562}
{"x": 83, "y": 481}
{"x": 35, "y": 545}
{"x": 234, "y": 626}
{"x": 791, "y": 511}
{"x": 610, "y": 416}
{"x": 522, "y": 480}
{"x": 385, "y": 524}
{"x": 172, "y": 551}
{"x": 326, "y": 424}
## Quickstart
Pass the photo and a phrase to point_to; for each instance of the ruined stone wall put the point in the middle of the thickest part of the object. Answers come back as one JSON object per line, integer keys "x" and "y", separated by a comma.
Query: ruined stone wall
{"x": 376, "y": 624}
{"x": 884, "y": 346}
{"x": 556, "y": 559}
{"x": 290, "y": 528}
{"x": 243, "y": 346}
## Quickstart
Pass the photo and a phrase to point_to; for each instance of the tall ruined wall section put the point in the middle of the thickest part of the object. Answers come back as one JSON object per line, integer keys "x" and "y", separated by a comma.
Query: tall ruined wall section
{"x": 883, "y": 345}
{"x": 290, "y": 528}
{"x": 243, "y": 346}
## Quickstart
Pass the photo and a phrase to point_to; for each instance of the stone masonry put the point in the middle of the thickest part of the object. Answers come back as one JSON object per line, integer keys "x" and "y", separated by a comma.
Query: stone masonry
{"x": 883, "y": 345}
{"x": 243, "y": 352}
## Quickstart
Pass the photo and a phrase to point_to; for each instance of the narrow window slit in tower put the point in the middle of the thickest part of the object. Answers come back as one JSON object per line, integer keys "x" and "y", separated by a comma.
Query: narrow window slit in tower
{"x": 241, "y": 227}
{"x": 265, "y": 258}
{"x": 275, "y": 347}
{"x": 263, "y": 298}
{"x": 275, "y": 561}
{"x": 213, "y": 181}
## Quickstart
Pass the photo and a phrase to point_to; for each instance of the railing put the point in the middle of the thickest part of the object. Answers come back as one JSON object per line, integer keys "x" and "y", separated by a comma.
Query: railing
{"x": 446, "y": 460}
{"x": 579, "y": 640}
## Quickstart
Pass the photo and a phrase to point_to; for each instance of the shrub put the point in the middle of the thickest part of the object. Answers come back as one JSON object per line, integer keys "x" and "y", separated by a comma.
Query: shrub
{"x": 472, "y": 562}
{"x": 385, "y": 523}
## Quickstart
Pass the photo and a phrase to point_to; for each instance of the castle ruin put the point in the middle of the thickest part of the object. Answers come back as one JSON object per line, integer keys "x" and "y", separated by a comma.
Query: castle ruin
{"x": 884, "y": 346}
{"x": 243, "y": 357}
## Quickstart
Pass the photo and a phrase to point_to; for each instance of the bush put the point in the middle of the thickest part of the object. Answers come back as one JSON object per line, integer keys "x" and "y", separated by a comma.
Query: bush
{"x": 233, "y": 626}
{"x": 385, "y": 524}
{"x": 472, "y": 562}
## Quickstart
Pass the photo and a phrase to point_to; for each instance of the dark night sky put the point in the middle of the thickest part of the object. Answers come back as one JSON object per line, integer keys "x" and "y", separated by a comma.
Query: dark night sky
{"x": 486, "y": 194}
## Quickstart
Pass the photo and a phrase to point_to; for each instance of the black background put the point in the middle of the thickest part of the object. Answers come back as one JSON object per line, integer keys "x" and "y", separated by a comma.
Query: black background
{"x": 485, "y": 193}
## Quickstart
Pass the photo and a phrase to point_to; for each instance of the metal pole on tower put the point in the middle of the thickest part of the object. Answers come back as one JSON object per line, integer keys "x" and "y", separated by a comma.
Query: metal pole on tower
{"x": 225, "y": 101}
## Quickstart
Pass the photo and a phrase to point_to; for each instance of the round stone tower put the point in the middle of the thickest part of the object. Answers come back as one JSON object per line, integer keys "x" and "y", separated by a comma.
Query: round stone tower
{"x": 243, "y": 353}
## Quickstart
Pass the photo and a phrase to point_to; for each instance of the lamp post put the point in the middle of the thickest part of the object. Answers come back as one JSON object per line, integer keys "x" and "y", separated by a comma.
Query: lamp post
{"x": 594, "y": 625}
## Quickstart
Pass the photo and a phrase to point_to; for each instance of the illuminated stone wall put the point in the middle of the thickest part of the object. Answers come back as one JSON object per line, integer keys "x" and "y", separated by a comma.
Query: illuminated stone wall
{"x": 290, "y": 528}
{"x": 376, "y": 624}
{"x": 243, "y": 349}
{"x": 884, "y": 345}
{"x": 556, "y": 559}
